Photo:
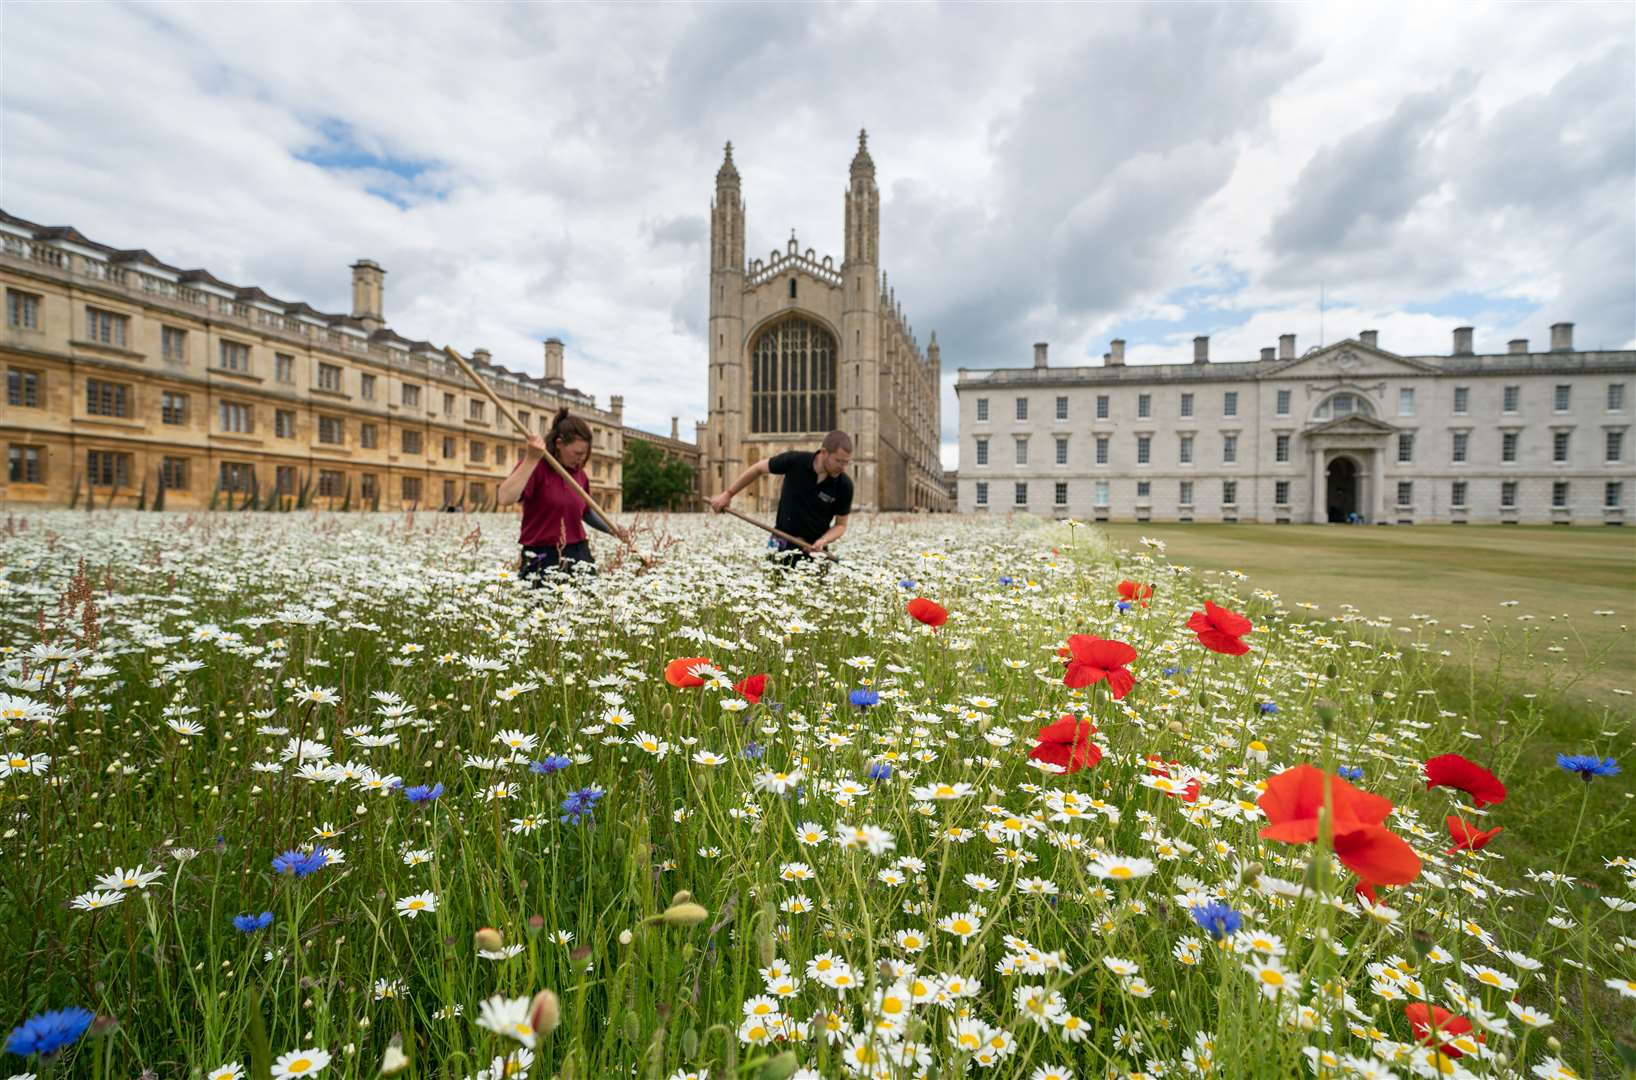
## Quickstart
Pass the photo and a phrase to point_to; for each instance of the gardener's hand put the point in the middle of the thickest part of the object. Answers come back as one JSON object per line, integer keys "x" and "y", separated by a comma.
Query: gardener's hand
{"x": 536, "y": 449}
{"x": 721, "y": 502}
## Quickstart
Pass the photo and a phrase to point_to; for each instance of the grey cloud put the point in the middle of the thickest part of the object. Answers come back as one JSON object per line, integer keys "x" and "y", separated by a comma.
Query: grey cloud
{"x": 682, "y": 230}
{"x": 1355, "y": 193}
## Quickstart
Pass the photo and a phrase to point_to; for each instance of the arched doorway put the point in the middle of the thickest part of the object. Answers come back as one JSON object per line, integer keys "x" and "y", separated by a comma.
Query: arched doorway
{"x": 1341, "y": 489}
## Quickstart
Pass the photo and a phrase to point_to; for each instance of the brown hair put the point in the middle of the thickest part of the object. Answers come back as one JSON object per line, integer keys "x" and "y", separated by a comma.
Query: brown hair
{"x": 565, "y": 428}
{"x": 836, "y": 441}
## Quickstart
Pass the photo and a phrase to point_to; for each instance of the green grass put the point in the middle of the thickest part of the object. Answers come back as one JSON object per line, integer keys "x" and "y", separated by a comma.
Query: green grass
{"x": 1455, "y": 575}
{"x": 412, "y": 628}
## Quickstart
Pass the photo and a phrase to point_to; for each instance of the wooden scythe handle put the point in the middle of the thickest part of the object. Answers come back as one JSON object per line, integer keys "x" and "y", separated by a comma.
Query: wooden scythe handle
{"x": 781, "y": 534}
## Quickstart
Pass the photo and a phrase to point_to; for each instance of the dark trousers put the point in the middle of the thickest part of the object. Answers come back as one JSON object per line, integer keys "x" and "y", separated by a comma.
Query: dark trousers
{"x": 537, "y": 561}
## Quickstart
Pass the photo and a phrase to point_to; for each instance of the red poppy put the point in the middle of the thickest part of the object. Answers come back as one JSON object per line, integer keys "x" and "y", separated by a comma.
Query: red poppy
{"x": 1452, "y": 770}
{"x": 1365, "y": 846}
{"x": 1220, "y": 630}
{"x": 924, "y": 610}
{"x": 679, "y": 672}
{"x": 1129, "y": 590}
{"x": 1468, "y": 839}
{"x": 1067, "y": 743}
{"x": 1091, "y": 659}
{"x": 752, "y": 688}
{"x": 1433, "y": 1025}
{"x": 1156, "y": 767}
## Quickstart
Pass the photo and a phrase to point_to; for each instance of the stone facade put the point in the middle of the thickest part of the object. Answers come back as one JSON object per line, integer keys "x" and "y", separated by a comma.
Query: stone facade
{"x": 1347, "y": 429}
{"x": 124, "y": 373}
{"x": 799, "y": 345}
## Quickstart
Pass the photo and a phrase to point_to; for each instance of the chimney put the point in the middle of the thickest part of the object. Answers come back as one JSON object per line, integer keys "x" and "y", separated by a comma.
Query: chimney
{"x": 1562, "y": 337}
{"x": 1462, "y": 341}
{"x": 1369, "y": 337}
{"x": 482, "y": 358}
{"x": 1039, "y": 353}
{"x": 369, "y": 294}
{"x": 1517, "y": 345}
{"x": 1116, "y": 352}
{"x": 616, "y": 405}
{"x": 1201, "y": 349}
{"x": 553, "y": 362}
{"x": 1286, "y": 346}
{"x": 676, "y": 428}
{"x": 699, "y": 427}
{"x": 1267, "y": 353}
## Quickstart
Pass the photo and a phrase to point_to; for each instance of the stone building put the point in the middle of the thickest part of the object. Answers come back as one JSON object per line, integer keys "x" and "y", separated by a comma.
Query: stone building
{"x": 1346, "y": 432}
{"x": 125, "y": 375}
{"x": 799, "y": 346}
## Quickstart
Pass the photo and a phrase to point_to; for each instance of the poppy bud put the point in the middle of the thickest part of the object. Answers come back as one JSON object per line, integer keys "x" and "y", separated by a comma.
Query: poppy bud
{"x": 665, "y": 711}
{"x": 690, "y": 1043}
{"x": 536, "y": 923}
{"x": 488, "y": 939}
{"x": 544, "y": 1013}
{"x": 1252, "y": 873}
{"x": 685, "y": 914}
{"x": 1627, "y": 1051}
{"x": 781, "y": 1067}
{"x": 1326, "y": 713}
{"x": 1175, "y": 727}
{"x": 632, "y": 1026}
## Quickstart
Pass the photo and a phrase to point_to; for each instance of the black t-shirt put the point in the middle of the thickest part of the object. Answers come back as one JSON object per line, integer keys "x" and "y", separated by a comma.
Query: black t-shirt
{"x": 805, "y": 506}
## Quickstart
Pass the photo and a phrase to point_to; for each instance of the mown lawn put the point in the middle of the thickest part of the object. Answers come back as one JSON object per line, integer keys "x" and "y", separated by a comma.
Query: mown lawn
{"x": 1557, "y": 576}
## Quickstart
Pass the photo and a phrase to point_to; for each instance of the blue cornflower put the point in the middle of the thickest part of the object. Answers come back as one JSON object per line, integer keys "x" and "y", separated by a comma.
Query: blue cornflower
{"x": 1350, "y": 772}
{"x": 249, "y": 924}
{"x": 1169, "y": 671}
{"x": 1267, "y": 707}
{"x": 579, "y": 804}
{"x": 421, "y": 793}
{"x": 48, "y": 1032}
{"x": 1005, "y": 579}
{"x": 864, "y": 698}
{"x": 906, "y": 583}
{"x": 301, "y": 863}
{"x": 879, "y": 771}
{"x": 1588, "y": 765}
{"x": 1217, "y": 918}
{"x": 554, "y": 763}
{"x": 1123, "y": 605}
{"x": 753, "y": 751}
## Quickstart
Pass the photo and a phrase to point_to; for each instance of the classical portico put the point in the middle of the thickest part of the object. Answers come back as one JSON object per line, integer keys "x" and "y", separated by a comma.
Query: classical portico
{"x": 1347, "y": 466}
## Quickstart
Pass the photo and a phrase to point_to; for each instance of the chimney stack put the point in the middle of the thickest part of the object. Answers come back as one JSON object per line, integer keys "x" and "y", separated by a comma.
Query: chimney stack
{"x": 1562, "y": 337}
{"x": 1039, "y": 353}
{"x": 369, "y": 294}
{"x": 676, "y": 428}
{"x": 1286, "y": 346}
{"x": 1201, "y": 349}
{"x": 1369, "y": 337}
{"x": 1517, "y": 345}
{"x": 699, "y": 427}
{"x": 1116, "y": 352}
{"x": 1267, "y": 353}
{"x": 1462, "y": 341}
{"x": 482, "y": 357}
{"x": 553, "y": 362}
{"x": 616, "y": 405}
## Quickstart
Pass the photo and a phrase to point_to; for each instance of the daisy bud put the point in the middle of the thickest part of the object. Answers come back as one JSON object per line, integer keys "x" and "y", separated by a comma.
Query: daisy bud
{"x": 685, "y": 914}
{"x": 624, "y": 937}
{"x": 1175, "y": 727}
{"x": 1554, "y": 1043}
{"x": 544, "y": 1013}
{"x": 488, "y": 939}
{"x": 395, "y": 1060}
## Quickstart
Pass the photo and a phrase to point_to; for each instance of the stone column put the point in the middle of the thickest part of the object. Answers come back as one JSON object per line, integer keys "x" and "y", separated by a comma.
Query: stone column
{"x": 1377, "y": 475}
{"x": 1320, "y": 511}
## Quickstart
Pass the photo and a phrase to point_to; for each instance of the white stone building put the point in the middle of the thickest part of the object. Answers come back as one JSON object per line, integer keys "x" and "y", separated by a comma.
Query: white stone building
{"x": 1347, "y": 429}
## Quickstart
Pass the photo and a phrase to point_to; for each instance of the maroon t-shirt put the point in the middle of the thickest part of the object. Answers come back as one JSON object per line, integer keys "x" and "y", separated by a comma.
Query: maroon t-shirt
{"x": 553, "y": 512}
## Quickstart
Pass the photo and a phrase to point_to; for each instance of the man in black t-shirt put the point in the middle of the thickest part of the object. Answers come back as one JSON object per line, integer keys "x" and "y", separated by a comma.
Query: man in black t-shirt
{"x": 816, "y": 491}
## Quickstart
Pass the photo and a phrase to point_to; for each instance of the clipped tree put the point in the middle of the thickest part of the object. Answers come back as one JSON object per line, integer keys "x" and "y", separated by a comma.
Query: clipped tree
{"x": 652, "y": 481}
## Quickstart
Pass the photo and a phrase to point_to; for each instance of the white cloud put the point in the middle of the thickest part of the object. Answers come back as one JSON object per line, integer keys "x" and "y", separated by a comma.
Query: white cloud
{"x": 1055, "y": 173}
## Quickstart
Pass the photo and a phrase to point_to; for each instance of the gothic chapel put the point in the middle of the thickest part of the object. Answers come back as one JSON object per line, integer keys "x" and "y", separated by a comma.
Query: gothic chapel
{"x": 799, "y": 346}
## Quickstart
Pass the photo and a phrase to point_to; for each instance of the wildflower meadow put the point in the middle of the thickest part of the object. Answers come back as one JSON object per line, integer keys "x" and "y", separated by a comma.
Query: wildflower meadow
{"x": 312, "y": 794}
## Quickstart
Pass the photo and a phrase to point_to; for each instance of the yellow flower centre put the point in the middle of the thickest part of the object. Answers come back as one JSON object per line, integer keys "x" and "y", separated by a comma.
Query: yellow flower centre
{"x": 1272, "y": 977}
{"x": 1119, "y": 872}
{"x": 300, "y": 1065}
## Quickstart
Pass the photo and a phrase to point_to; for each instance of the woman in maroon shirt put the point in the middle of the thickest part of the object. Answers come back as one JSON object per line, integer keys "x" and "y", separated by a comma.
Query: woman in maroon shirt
{"x": 554, "y": 514}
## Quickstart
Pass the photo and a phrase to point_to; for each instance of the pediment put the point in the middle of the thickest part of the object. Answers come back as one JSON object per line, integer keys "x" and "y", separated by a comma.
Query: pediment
{"x": 1354, "y": 424}
{"x": 1350, "y": 359}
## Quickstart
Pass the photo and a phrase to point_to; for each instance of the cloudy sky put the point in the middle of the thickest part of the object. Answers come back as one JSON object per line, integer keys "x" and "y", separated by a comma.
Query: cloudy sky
{"x": 1064, "y": 173}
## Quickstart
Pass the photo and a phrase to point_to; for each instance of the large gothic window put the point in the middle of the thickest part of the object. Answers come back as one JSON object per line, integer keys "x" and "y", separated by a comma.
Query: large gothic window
{"x": 792, "y": 378}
